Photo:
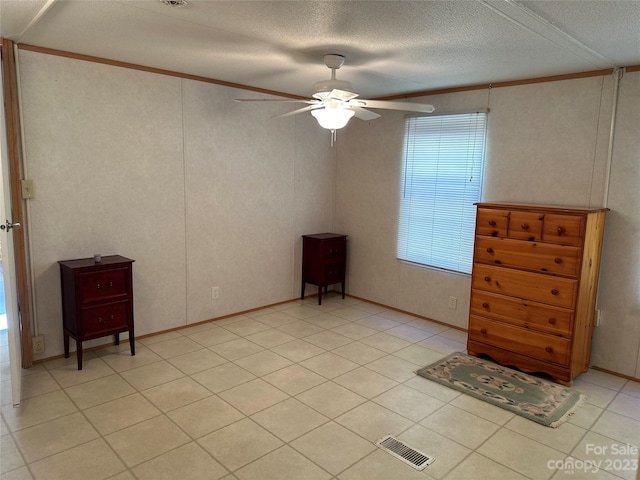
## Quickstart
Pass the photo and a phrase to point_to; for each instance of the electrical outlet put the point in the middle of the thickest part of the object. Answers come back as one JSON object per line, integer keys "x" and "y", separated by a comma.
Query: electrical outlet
{"x": 453, "y": 303}
{"x": 38, "y": 343}
{"x": 215, "y": 293}
{"x": 598, "y": 319}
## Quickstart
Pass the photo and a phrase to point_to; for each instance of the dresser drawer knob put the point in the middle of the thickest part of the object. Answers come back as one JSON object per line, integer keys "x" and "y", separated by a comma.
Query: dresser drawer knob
{"x": 102, "y": 320}
{"x": 105, "y": 287}
{"x": 554, "y": 292}
{"x": 561, "y": 231}
{"x": 485, "y": 305}
{"x": 548, "y": 350}
{"x": 490, "y": 250}
{"x": 487, "y": 279}
{"x": 557, "y": 260}
{"x": 552, "y": 321}
{"x": 524, "y": 226}
{"x": 483, "y": 331}
{"x": 492, "y": 223}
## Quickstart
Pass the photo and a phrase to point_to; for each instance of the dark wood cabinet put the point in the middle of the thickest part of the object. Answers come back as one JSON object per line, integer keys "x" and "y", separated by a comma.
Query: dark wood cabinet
{"x": 324, "y": 261}
{"x": 97, "y": 300}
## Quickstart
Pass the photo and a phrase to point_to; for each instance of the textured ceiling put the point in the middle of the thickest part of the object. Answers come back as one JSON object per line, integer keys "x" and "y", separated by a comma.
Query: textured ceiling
{"x": 391, "y": 47}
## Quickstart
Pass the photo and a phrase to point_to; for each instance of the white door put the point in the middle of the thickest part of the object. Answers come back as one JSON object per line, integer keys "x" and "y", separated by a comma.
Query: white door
{"x": 7, "y": 258}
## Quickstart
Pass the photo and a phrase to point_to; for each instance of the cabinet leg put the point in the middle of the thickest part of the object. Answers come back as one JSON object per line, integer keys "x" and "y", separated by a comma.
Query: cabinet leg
{"x": 79, "y": 354}
{"x": 319, "y": 295}
{"x": 343, "y": 290}
{"x": 66, "y": 344}
{"x": 117, "y": 338}
{"x": 132, "y": 344}
{"x": 302, "y": 290}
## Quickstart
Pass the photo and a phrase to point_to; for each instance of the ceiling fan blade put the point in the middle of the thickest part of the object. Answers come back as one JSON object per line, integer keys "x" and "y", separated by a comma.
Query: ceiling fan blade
{"x": 272, "y": 100}
{"x": 406, "y": 106}
{"x": 300, "y": 110}
{"x": 364, "y": 114}
{"x": 342, "y": 95}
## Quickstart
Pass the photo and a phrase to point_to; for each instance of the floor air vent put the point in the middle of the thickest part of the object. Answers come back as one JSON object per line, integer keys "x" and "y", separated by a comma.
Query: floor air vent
{"x": 404, "y": 452}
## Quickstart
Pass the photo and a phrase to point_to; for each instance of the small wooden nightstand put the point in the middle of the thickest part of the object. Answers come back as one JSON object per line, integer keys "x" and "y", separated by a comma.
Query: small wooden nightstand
{"x": 324, "y": 261}
{"x": 97, "y": 300}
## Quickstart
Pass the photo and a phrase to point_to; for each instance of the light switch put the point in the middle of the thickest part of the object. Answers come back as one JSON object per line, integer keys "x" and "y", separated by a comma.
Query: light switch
{"x": 27, "y": 188}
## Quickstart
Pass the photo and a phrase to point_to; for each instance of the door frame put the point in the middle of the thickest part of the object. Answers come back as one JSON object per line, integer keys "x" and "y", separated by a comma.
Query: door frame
{"x": 12, "y": 123}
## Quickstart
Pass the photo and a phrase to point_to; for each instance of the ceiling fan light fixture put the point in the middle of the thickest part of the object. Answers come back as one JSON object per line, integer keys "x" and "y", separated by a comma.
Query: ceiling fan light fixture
{"x": 334, "y": 102}
{"x": 333, "y": 118}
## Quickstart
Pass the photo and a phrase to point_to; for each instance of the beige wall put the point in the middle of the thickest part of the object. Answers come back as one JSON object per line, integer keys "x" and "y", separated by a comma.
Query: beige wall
{"x": 616, "y": 344}
{"x": 201, "y": 191}
{"x": 546, "y": 143}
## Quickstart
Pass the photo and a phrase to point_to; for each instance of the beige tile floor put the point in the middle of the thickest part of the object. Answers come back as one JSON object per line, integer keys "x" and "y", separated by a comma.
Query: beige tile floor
{"x": 296, "y": 391}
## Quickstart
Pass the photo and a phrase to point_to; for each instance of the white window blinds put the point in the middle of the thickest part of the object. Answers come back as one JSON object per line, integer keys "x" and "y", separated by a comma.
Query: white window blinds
{"x": 441, "y": 180}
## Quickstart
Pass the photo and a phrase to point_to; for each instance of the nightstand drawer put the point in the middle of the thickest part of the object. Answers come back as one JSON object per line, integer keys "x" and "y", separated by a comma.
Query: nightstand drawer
{"x": 102, "y": 320}
{"x": 547, "y": 348}
{"x": 104, "y": 284}
{"x": 333, "y": 273}
{"x": 334, "y": 250}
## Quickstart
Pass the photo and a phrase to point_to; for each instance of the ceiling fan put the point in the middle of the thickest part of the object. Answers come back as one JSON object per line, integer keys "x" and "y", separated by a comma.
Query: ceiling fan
{"x": 334, "y": 102}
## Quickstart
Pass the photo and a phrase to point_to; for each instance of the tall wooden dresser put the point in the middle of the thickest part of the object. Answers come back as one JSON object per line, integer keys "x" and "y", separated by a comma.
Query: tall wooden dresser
{"x": 534, "y": 285}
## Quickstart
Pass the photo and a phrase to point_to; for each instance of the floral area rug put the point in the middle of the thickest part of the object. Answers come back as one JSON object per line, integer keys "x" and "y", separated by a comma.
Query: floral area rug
{"x": 536, "y": 399}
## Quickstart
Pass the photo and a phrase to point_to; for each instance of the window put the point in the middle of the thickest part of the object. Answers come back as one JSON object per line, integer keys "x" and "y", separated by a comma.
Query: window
{"x": 441, "y": 180}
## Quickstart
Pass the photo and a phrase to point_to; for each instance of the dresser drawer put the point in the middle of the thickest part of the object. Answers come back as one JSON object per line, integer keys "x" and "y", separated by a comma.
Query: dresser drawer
{"x": 548, "y": 348}
{"x": 526, "y": 226}
{"x": 526, "y": 285}
{"x": 334, "y": 250}
{"x": 563, "y": 229}
{"x": 535, "y": 256}
{"x": 103, "y": 284}
{"x": 536, "y": 316}
{"x": 492, "y": 222}
{"x": 333, "y": 273}
{"x": 104, "y": 319}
